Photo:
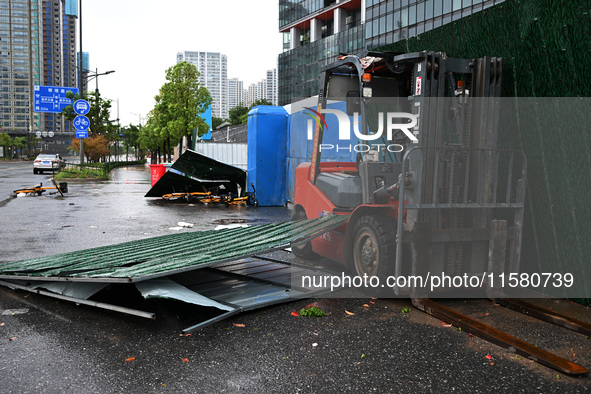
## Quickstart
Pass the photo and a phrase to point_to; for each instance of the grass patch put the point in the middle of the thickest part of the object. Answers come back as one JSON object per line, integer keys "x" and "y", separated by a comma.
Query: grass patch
{"x": 312, "y": 311}
{"x": 93, "y": 171}
{"x": 82, "y": 173}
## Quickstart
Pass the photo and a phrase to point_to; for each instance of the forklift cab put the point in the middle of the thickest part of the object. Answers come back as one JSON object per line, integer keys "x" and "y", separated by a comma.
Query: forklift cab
{"x": 372, "y": 88}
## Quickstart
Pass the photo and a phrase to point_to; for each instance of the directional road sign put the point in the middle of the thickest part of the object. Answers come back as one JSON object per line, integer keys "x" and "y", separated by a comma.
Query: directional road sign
{"x": 82, "y": 134}
{"x": 81, "y": 123}
{"x": 51, "y": 98}
{"x": 81, "y": 107}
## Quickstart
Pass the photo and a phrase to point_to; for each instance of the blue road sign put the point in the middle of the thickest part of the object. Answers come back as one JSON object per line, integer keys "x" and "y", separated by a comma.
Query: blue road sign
{"x": 81, "y": 123}
{"x": 51, "y": 98}
{"x": 82, "y": 134}
{"x": 81, "y": 107}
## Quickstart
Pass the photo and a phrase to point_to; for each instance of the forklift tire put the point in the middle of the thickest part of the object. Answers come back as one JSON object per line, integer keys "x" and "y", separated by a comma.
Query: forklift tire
{"x": 303, "y": 250}
{"x": 374, "y": 247}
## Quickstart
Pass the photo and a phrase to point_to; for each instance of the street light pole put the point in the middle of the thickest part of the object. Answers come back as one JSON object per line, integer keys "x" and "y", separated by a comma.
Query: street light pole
{"x": 88, "y": 78}
{"x": 80, "y": 70}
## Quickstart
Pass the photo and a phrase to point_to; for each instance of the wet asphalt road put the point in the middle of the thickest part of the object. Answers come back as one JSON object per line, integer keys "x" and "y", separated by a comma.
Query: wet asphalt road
{"x": 53, "y": 346}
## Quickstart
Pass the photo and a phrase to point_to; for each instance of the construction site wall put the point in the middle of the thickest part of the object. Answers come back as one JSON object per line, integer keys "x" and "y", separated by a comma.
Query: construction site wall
{"x": 545, "y": 48}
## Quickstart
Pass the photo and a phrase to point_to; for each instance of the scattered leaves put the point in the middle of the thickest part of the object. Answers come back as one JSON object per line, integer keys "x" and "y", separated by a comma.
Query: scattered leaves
{"x": 444, "y": 324}
{"x": 285, "y": 358}
{"x": 130, "y": 359}
{"x": 349, "y": 313}
{"x": 362, "y": 355}
{"x": 312, "y": 311}
{"x": 2, "y": 324}
{"x": 239, "y": 325}
{"x": 405, "y": 310}
{"x": 185, "y": 360}
{"x": 12, "y": 338}
{"x": 365, "y": 305}
{"x": 371, "y": 303}
{"x": 294, "y": 313}
{"x": 517, "y": 357}
{"x": 488, "y": 357}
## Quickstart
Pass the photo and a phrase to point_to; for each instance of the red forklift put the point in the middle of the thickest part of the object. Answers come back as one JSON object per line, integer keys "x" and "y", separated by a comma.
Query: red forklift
{"x": 429, "y": 191}
{"x": 438, "y": 169}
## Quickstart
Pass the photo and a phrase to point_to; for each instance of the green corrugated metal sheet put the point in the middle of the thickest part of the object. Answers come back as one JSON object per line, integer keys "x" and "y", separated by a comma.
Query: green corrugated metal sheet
{"x": 161, "y": 256}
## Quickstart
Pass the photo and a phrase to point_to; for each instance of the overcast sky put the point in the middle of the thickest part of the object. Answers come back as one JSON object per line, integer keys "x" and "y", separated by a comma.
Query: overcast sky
{"x": 139, "y": 39}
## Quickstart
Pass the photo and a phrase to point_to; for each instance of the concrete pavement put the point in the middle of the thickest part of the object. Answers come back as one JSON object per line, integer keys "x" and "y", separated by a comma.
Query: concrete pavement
{"x": 53, "y": 346}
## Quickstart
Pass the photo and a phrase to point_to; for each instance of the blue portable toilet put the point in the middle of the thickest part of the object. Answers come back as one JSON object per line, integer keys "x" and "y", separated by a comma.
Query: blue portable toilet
{"x": 267, "y": 152}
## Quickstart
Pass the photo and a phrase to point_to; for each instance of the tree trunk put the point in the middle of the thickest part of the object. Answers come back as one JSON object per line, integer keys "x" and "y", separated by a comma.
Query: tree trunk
{"x": 169, "y": 159}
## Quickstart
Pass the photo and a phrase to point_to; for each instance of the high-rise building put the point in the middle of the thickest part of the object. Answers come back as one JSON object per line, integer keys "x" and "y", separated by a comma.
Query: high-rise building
{"x": 271, "y": 86}
{"x": 21, "y": 56}
{"x": 256, "y": 91}
{"x": 59, "y": 55}
{"x": 37, "y": 47}
{"x": 315, "y": 32}
{"x": 213, "y": 69}
{"x": 236, "y": 95}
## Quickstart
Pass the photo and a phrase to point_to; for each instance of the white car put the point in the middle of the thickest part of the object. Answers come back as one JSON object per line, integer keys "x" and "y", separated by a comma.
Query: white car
{"x": 48, "y": 162}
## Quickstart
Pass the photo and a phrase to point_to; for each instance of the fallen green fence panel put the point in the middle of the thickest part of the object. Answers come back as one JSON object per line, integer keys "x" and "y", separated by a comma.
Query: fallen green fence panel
{"x": 154, "y": 257}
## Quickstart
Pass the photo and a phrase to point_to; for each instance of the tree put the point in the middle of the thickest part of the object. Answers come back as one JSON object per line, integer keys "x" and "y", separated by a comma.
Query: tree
{"x": 100, "y": 125}
{"x": 12, "y": 144}
{"x": 179, "y": 104}
{"x": 260, "y": 102}
{"x": 149, "y": 138}
{"x": 98, "y": 116}
{"x": 96, "y": 147}
{"x": 5, "y": 142}
{"x": 130, "y": 138}
{"x": 216, "y": 122}
{"x": 237, "y": 113}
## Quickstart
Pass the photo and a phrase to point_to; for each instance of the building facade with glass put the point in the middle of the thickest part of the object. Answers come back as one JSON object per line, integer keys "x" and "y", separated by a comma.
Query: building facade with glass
{"x": 59, "y": 58}
{"x": 315, "y": 32}
{"x": 37, "y": 47}
{"x": 21, "y": 52}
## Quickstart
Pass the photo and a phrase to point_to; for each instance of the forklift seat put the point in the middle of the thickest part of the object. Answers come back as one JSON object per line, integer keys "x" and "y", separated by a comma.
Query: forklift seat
{"x": 342, "y": 189}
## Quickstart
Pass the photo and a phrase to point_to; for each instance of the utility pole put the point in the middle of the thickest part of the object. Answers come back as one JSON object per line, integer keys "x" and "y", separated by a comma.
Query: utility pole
{"x": 81, "y": 71}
